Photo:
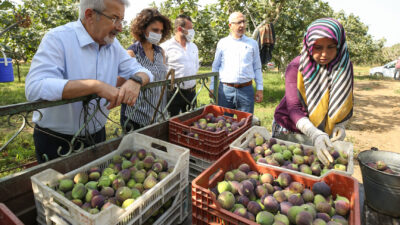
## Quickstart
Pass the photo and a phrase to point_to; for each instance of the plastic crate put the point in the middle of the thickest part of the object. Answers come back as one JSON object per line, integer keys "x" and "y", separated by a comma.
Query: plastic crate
{"x": 242, "y": 142}
{"x": 50, "y": 203}
{"x": 176, "y": 214}
{"x": 197, "y": 166}
{"x": 206, "y": 209}
{"x": 208, "y": 145}
{"x": 7, "y": 217}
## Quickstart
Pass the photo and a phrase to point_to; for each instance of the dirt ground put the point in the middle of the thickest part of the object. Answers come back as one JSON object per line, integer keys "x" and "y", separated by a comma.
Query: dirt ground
{"x": 375, "y": 122}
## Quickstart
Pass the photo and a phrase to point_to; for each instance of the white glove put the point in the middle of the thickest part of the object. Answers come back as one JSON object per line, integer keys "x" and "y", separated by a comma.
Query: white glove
{"x": 339, "y": 132}
{"x": 320, "y": 140}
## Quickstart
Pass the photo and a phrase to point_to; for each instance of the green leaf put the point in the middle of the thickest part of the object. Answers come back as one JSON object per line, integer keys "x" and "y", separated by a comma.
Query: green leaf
{"x": 5, "y": 5}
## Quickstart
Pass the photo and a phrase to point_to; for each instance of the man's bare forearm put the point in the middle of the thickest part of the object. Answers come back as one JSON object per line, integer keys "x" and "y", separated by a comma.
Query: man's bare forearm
{"x": 79, "y": 88}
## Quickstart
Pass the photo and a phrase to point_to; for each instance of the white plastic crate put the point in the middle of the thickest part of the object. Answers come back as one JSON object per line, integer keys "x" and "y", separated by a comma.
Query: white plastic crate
{"x": 176, "y": 214}
{"x": 197, "y": 166}
{"x": 57, "y": 207}
{"x": 242, "y": 142}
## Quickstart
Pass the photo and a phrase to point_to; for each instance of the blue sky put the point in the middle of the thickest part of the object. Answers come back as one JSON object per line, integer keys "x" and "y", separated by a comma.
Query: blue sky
{"x": 381, "y": 16}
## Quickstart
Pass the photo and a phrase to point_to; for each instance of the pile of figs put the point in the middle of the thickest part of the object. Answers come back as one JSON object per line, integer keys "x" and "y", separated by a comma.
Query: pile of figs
{"x": 280, "y": 201}
{"x": 213, "y": 123}
{"x": 126, "y": 178}
{"x": 381, "y": 166}
{"x": 294, "y": 157}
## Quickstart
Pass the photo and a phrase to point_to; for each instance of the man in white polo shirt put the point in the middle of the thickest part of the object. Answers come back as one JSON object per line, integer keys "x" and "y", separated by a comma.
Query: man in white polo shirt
{"x": 182, "y": 55}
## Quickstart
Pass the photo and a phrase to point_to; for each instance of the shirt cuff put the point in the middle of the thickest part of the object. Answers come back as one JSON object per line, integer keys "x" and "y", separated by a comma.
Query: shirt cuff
{"x": 260, "y": 87}
{"x": 52, "y": 89}
{"x": 144, "y": 70}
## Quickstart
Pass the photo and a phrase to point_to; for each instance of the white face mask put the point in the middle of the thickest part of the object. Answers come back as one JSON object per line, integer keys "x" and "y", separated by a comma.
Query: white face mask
{"x": 190, "y": 35}
{"x": 153, "y": 38}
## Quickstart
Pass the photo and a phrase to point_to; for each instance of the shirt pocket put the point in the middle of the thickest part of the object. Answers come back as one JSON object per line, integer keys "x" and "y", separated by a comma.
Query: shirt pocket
{"x": 247, "y": 53}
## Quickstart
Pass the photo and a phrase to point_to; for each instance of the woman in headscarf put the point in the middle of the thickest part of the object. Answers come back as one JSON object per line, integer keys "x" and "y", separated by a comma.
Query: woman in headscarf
{"x": 318, "y": 97}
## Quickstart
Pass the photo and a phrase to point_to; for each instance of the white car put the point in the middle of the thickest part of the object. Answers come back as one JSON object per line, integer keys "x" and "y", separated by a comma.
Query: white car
{"x": 386, "y": 70}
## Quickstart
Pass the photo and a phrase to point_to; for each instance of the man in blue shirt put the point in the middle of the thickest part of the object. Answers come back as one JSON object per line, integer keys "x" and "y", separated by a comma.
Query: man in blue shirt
{"x": 78, "y": 59}
{"x": 237, "y": 60}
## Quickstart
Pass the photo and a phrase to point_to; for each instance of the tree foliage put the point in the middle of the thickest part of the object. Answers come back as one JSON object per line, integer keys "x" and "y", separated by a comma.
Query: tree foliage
{"x": 388, "y": 54}
{"x": 290, "y": 20}
{"x": 362, "y": 48}
{"x": 22, "y": 43}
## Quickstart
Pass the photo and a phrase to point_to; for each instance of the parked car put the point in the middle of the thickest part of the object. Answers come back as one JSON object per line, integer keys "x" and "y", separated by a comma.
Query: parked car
{"x": 386, "y": 70}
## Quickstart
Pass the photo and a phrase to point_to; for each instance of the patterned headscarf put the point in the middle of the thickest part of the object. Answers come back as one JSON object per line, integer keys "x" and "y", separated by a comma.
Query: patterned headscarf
{"x": 326, "y": 90}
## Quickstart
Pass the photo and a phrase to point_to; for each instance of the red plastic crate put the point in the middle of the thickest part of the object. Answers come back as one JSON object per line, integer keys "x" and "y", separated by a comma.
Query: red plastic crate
{"x": 208, "y": 145}
{"x": 206, "y": 209}
{"x": 7, "y": 217}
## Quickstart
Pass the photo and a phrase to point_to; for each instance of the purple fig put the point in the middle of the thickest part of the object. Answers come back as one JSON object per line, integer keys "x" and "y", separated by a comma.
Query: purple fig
{"x": 97, "y": 201}
{"x": 284, "y": 179}
{"x": 253, "y": 207}
{"x": 285, "y": 206}
{"x": 321, "y": 188}
{"x": 270, "y": 204}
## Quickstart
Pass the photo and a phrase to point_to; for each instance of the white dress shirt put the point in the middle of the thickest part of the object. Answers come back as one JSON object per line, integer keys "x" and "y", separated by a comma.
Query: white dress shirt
{"x": 184, "y": 61}
{"x": 237, "y": 61}
{"x": 68, "y": 53}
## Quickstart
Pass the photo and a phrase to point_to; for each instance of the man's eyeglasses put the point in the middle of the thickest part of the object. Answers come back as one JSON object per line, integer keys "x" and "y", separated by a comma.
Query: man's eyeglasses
{"x": 239, "y": 22}
{"x": 116, "y": 21}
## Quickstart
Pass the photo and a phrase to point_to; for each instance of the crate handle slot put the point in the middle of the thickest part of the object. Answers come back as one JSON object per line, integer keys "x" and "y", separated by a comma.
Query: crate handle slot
{"x": 215, "y": 176}
{"x": 192, "y": 161}
{"x": 243, "y": 140}
{"x": 159, "y": 147}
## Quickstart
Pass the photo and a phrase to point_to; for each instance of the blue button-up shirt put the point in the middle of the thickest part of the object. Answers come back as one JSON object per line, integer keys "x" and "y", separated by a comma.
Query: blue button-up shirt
{"x": 237, "y": 61}
{"x": 68, "y": 53}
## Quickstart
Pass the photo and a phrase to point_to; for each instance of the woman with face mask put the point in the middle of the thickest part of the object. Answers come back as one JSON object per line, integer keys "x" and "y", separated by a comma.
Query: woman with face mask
{"x": 149, "y": 28}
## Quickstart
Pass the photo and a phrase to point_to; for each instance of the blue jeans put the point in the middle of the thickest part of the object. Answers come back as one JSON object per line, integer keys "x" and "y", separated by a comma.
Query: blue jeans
{"x": 241, "y": 99}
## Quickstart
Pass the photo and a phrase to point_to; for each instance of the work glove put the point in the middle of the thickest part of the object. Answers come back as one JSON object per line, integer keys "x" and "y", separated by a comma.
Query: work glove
{"x": 320, "y": 140}
{"x": 339, "y": 132}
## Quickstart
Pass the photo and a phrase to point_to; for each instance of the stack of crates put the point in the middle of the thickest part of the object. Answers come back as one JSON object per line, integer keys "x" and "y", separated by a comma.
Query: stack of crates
{"x": 208, "y": 146}
{"x": 53, "y": 208}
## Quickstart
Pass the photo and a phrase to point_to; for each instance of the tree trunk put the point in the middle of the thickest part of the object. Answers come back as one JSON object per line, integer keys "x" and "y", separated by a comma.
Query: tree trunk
{"x": 18, "y": 71}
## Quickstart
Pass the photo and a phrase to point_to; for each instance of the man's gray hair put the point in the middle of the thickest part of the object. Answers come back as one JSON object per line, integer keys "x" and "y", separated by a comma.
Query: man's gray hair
{"x": 234, "y": 15}
{"x": 95, "y": 4}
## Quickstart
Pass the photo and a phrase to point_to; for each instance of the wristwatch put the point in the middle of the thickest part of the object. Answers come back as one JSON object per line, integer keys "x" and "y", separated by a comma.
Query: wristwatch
{"x": 137, "y": 79}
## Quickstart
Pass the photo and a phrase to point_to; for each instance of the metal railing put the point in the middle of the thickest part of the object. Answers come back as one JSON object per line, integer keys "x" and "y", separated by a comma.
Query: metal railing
{"x": 23, "y": 111}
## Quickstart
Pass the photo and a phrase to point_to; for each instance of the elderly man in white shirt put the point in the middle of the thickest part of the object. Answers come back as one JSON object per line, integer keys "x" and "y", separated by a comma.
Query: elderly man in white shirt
{"x": 238, "y": 62}
{"x": 78, "y": 59}
{"x": 182, "y": 55}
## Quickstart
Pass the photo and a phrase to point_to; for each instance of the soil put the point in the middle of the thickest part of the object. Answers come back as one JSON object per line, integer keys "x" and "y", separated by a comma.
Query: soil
{"x": 375, "y": 122}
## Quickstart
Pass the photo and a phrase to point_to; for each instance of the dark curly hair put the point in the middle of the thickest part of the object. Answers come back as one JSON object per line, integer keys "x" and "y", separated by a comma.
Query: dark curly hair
{"x": 144, "y": 19}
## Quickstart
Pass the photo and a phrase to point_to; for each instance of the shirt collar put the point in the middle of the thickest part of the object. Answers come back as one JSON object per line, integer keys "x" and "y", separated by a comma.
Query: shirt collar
{"x": 179, "y": 44}
{"x": 84, "y": 37}
{"x": 240, "y": 39}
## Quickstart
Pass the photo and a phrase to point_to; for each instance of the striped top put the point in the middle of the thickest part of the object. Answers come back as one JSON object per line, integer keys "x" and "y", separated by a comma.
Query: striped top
{"x": 148, "y": 99}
